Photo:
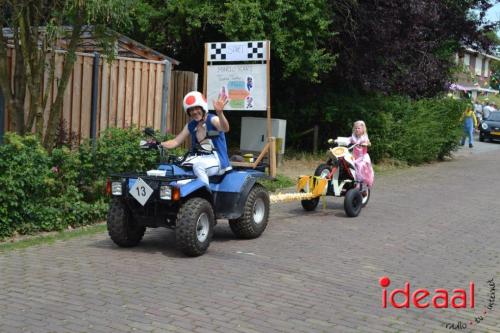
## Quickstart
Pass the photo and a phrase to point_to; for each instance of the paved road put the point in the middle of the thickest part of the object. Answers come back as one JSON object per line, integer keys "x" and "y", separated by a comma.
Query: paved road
{"x": 435, "y": 226}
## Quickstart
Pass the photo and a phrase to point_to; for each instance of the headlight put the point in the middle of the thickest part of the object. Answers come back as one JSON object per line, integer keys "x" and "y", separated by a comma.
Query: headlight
{"x": 116, "y": 188}
{"x": 165, "y": 192}
{"x": 484, "y": 126}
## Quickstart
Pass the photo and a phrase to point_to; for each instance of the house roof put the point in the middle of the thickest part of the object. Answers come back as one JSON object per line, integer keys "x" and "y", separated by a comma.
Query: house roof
{"x": 125, "y": 46}
{"x": 465, "y": 88}
{"x": 483, "y": 54}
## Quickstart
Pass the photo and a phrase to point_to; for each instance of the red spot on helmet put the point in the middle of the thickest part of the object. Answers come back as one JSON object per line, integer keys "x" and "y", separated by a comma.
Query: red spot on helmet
{"x": 190, "y": 100}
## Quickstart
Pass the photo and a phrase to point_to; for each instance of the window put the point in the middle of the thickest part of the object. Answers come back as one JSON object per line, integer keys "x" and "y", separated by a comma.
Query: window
{"x": 479, "y": 65}
{"x": 466, "y": 60}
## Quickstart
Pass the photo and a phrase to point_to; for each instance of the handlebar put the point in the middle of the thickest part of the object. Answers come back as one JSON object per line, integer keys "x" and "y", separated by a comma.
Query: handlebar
{"x": 345, "y": 143}
{"x": 154, "y": 143}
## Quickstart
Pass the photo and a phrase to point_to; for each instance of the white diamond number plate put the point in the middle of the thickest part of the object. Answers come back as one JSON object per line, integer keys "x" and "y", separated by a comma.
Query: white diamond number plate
{"x": 141, "y": 191}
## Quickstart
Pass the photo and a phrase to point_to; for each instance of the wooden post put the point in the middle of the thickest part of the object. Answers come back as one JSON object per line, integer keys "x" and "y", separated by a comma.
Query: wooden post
{"x": 315, "y": 140}
{"x": 2, "y": 116}
{"x": 205, "y": 73}
{"x": 95, "y": 88}
{"x": 272, "y": 157}
{"x": 164, "y": 97}
{"x": 268, "y": 70}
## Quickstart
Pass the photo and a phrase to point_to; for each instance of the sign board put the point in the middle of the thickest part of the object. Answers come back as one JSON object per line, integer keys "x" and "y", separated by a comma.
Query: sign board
{"x": 241, "y": 71}
{"x": 237, "y": 51}
{"x": 141, "y": 191}
{"x": 245, "y": 86}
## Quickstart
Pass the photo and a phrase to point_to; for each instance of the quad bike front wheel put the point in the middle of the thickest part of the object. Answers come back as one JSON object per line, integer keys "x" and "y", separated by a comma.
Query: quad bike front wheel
{"x": 353, "y": 202}
{"x": 255, "y": 216}
{"x": 122, "y": 227}
{"x": 322, "y": 171}
{"x": 195, "y": 226}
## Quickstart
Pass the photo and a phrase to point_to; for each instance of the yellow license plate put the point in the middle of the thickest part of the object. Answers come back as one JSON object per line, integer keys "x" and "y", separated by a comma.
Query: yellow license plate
{"x": 494, "y": 133}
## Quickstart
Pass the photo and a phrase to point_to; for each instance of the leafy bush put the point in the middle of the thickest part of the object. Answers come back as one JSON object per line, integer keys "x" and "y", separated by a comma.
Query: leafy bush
{"x": 47, "y": 193}
{"x": 413, "y": 131}
{"x": 25, "y": 181}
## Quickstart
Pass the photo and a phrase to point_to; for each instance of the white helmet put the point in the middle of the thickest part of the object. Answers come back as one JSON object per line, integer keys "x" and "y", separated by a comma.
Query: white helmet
{"x": 194, "y": 98}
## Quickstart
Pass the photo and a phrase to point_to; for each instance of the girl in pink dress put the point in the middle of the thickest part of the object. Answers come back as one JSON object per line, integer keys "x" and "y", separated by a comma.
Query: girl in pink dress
{"x": 362, "y": 161}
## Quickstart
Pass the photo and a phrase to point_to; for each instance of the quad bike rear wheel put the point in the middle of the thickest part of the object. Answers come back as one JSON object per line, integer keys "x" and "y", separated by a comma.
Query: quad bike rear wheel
{"x": 255, "y": 216}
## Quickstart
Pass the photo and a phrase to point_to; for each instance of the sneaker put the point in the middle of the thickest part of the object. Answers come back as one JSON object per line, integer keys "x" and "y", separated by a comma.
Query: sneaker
{"x": 462, "y": 144}
{"x": 471, "y": 145}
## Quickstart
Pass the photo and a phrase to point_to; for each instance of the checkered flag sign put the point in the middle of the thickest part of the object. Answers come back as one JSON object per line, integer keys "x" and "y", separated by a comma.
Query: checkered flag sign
{"x": 256, "y": 50}
{"x": 237, "y": 51}
{"x": 218, "y": 51}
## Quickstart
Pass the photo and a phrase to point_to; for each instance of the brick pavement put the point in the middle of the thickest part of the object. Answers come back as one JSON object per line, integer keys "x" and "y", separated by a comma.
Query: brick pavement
{"x": 435, "y": 226}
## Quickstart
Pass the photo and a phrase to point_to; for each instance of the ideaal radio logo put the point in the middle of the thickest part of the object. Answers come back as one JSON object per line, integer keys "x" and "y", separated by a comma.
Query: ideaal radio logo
{"x": 421, "y": 298}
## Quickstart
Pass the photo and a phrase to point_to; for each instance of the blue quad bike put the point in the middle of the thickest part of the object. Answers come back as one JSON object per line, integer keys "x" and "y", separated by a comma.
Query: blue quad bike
{"x": 172, "y": 197}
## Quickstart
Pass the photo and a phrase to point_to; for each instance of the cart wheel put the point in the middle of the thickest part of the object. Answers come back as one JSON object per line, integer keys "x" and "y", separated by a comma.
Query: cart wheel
{"x": 353, "y": 202}
{"x": 321, "y": 171}
{"x": 310, "y": 205}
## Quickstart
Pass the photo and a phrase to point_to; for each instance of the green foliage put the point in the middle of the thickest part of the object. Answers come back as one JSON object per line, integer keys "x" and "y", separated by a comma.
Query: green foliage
{"x": 23, "y": 175}
{"x": 299, "y": 31}
{"x": 47, "y": 193}
{"x": 281, "y": 182}
{"x": 412, "y": 131}
{"x": 495, "y": 74}
{"x": 52, "y": 237}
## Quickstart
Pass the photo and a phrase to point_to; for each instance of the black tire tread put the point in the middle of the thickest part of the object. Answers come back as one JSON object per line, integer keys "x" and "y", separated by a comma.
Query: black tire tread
{"x": 185, "y": 233}
{"x": 122, "y": 228}
{"x": 244, "y": 227}
{"x": 352, "y": 194}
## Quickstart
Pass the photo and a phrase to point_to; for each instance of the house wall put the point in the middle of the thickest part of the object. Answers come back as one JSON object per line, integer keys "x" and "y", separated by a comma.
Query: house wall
{"x": 477, "y": 69}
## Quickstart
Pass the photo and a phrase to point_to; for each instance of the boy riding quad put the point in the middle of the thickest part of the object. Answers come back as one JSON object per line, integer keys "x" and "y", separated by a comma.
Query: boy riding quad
{"x": 189, "y": 194}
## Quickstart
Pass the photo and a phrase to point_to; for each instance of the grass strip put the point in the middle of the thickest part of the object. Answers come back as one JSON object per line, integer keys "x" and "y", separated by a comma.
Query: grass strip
{"x": 50, "y": 238}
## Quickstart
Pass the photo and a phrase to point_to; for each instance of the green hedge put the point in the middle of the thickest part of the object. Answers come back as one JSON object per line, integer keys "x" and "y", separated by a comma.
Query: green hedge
{"x": 47, "y": 193}
{"x": 413, "y": 131}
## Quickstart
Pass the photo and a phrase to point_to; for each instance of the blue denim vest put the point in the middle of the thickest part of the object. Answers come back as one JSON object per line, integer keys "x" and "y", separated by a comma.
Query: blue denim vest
{"x": 219, "y": 141}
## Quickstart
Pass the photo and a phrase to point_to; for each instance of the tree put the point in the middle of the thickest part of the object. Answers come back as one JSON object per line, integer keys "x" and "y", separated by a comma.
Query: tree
{"x": 36, "y": 30}
{"x": 407, "y": 47}
{"x": 495, "y": 74}
{"x": 299, "y": 31}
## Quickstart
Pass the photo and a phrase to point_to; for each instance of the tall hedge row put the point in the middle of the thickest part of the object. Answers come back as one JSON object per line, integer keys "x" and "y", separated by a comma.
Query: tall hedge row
{"x": 42, "y": 192}
{"x": 413, "y": 131}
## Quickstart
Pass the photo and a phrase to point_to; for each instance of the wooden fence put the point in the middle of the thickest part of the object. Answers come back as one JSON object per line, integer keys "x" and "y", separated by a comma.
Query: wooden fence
{"x": 130, "y": 92}
{"x": 182, "y": 83}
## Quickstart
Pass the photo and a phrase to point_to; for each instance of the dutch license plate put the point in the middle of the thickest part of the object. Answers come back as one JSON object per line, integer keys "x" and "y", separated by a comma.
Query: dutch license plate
{"x": 494, "y": 133}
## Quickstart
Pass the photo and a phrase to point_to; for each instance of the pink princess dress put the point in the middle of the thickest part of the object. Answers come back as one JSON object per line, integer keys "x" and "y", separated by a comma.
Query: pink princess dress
{"x": 362, "y": 161}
